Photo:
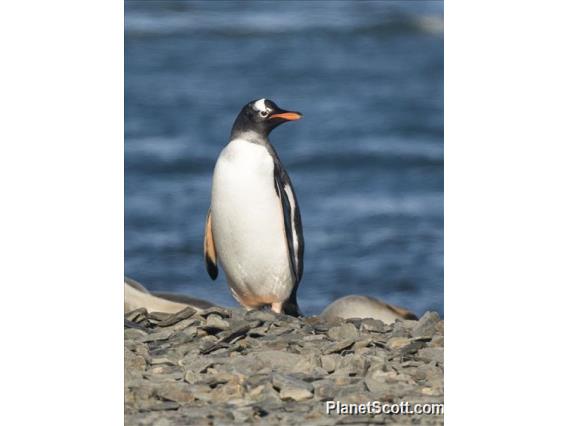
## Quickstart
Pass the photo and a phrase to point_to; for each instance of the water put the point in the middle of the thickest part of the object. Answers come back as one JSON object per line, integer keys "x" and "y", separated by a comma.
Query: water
{"x": 366, "y": 160}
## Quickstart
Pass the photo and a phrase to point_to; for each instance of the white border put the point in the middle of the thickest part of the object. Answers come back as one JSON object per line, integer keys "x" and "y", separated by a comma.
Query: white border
{"x": 61, "y": 224}
{"x": 61, "y": 218}
{"x": 506, "y": 239}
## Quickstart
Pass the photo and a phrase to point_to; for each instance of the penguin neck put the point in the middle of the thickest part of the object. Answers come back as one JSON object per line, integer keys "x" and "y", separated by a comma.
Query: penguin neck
{"x": 256, "y": 138}
{"x": 249, "y": 136}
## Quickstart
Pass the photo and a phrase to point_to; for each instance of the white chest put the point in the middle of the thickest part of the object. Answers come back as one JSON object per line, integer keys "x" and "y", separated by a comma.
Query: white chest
{"x": 247, "y": 223}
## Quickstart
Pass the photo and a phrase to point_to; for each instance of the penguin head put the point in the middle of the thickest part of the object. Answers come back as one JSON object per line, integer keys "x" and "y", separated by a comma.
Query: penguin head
{"x": 261, "y": 116}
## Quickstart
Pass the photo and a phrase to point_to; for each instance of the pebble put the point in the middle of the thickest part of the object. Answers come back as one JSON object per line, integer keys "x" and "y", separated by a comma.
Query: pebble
{"x": 177, "y": 317}
{"x": 426, "y": 326}
{"x": 296, "y": 394}
{"x": 264, "y": 316}
{"x": 398, "y": 342}
{"x": 325, "y": 390}
{"x": 432, "y": 354}
{"x": 160, "y": 335}
{"x": 134, "y": 334}
{"x": 227, "y": 366}
{"x": 291, "y": 388}
{"x": 215, "y": 322}
{"x": 162, "y": 360}
{"x": 345, "y": 331}
{"x": 177, "y": 392}
{"x": 373, "y": 325}
{"x": 400, "y": 329}
{"x": 328, "y": 362}
{"x": 337, "y": 346}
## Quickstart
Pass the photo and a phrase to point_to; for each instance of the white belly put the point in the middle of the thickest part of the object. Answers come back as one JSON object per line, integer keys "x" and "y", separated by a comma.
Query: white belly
{"x": 248, "y": 227}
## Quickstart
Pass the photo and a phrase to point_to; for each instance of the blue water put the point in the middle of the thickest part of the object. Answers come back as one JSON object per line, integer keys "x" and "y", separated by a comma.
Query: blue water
{"x": 366, "y": 160}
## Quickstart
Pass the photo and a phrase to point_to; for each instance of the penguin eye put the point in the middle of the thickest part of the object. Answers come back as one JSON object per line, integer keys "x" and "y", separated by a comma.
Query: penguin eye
{"x": 264, "y": 114}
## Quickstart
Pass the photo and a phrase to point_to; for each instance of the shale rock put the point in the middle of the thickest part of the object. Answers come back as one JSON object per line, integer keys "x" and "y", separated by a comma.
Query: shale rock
{"x": 227, "y": 366}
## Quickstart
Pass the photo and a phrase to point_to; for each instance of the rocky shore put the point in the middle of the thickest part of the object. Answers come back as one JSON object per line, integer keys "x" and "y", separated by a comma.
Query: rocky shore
{"x": 227, "y": 366}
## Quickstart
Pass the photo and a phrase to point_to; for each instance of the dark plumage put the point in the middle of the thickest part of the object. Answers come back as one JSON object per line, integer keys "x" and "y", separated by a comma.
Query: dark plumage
{"x": 242, "y": 226}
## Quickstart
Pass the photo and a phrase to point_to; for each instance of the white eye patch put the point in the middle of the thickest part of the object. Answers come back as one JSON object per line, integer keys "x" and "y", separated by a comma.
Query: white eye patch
{"x": 260, "y": 105}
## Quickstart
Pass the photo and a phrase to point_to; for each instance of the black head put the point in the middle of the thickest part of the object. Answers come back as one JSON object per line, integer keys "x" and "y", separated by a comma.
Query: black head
{"x": 260, "y": 117}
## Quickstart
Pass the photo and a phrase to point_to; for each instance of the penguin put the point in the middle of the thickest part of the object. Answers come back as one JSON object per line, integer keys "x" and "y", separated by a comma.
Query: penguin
{"x": 253, "y": 228}
{"x": 137, "y": 296}
{"x": 354, "y": 306}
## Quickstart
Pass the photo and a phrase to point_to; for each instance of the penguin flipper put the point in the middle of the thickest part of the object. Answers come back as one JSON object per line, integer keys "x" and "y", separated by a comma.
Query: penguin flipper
{"x": 209, "y": 249}
{"x": 294, "y": 234}
{"x": 292, "y": 221}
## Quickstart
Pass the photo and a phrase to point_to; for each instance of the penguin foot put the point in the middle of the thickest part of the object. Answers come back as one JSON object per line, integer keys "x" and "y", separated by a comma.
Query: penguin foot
{"x": 277, "y": 307}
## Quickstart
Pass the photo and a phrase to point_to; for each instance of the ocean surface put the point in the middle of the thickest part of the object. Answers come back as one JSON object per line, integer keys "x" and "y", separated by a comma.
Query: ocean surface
{"x": 366, "y": 160}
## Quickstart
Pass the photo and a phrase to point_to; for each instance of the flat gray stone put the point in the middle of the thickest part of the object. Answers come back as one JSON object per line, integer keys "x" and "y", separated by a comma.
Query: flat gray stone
{"x": 395, "y": 343}
{"x": 234, "y": 367}
{"x": 400, "y": 329}
{"x": 432, "y": 354}
{"x": 215, "y": 322}
{"x": 178, "y": 392}
{"x": 264, "y": 316}
{"x": 286, "y": 361}
{"x": 295, "y": 394}
{"x": 134, "y": 334}
{"x": 292, "y": 388}
{"x": 177, "y": 317}
{"x": 329, "y": 362}
{"x": 426, "y": 326}
{"x": 160, "y": 335}
{"x": 337, "y": 346}
{"x": 372, "y": 325}
{"x": 224, "y": 313}
{"x": 346, "y": 331}
{"x": 325, "y": 390}
{"x": 280, "y": 381}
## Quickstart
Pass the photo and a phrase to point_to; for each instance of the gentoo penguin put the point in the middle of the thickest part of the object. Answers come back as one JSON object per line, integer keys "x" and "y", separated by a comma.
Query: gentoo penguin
{"x": 137, "y": 296}
{"x": 182, "y": 298}
{"x": 365, "y": 307}
{"x": 253, "y": 227}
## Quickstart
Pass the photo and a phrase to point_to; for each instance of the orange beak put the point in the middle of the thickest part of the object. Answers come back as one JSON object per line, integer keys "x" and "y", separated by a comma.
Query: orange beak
{"x": 288, "y": 116}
